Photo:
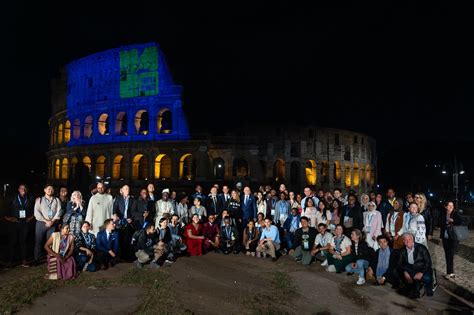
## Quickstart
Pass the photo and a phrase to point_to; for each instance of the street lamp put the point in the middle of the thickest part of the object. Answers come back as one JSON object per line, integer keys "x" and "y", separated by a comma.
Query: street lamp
{"x": 457, "y": 169}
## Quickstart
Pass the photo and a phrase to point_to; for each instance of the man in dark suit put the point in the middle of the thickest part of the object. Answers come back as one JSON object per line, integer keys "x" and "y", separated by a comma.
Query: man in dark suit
{"x": 213, "y": 203}
{"x": 249, "y": 206}
{"x": 123, "y": 206}
{"x": 414, "y": 267}
{"x": 108, "y": 245}
{"x": 224, "y": 198}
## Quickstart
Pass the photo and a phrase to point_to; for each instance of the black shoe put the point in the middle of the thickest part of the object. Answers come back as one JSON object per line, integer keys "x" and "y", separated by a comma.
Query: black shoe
{"x": 429, "y": 292}
{"x": 274, "y": 259}
{"x": 350, "y": 273}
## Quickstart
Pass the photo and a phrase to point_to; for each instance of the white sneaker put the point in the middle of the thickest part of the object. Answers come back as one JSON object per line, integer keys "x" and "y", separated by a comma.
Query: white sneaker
{"x": 331, "y": 268}
{"x": 324, "y": 263}
{"x": 361, "y": 281}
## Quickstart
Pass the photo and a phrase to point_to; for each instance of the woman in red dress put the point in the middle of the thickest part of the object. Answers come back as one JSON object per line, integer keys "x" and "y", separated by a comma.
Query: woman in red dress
{"x": 194, "y": 237}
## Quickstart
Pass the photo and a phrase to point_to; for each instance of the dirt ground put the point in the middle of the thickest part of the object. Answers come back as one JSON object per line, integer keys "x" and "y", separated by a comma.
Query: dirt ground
{"x": 235, "y": 284}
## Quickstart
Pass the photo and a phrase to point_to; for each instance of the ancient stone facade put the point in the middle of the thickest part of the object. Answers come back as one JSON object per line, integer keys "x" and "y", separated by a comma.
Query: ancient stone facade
{"x": 135, "y": 131}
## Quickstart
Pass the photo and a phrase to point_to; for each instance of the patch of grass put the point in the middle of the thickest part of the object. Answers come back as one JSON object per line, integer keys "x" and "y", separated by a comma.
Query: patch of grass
{"x": 160, "y": 297}
{"x": 24, "y": 290}
{"x": 281, "y": 282}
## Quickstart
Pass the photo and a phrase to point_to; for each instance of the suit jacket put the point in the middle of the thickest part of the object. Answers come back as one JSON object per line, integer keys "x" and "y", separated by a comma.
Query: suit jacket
{"x": 105, "y": 245}
{"x": 119, "y": 207}
{"x": 421, "y": 258}
{"x": 234, "y": 232}
{"x": 224, "y": 203}
{"x": 250, "y": 208}
{"x": 213, "y": 207}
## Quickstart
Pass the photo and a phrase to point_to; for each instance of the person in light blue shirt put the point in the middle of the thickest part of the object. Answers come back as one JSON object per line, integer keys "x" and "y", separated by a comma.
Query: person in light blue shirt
{"x": 269, "y": 240}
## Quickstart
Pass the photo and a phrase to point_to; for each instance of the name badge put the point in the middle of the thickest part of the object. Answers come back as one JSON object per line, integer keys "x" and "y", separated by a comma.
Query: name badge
{"x": 305, "y": 244}
{"x": 282, "y": 216}
{"x": 22, "y": 214}
{"x": 346, "y": 219}
{"x": 272, "y": 212}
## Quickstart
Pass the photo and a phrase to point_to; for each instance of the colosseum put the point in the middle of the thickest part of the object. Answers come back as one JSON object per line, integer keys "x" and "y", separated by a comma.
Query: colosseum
{"x": 118, "y": 116}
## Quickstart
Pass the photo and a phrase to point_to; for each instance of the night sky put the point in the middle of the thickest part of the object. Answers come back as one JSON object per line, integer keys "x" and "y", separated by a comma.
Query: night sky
{"x": 402, "y": 74}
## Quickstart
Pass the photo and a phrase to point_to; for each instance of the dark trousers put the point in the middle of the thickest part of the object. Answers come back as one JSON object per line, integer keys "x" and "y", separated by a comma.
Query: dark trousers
{"x": 427, "y": 279}
{"x": 234, "y": 247}
{"x": 105, "y": 260}
{"x": 450, "y": 248}
{"x": 42, "y": 233}
{"x": 17, "y": 239}
{"x": 125, "y": 239}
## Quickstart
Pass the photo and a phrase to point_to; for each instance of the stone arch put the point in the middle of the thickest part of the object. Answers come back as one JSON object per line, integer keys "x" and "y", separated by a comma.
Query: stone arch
{"x": 240, "y": 168}
{"x": 140, "y": 167}
{"x": 279, "y": 170}
{"x": 118, "y": 167}
{"x": 324, "y": 172}
{"x": 88, "y": 127}
{"x": 187, "y": 167}
{"x": 295, "y": 174}
{"x": 64, "y": 168}
{"x": 337, "y": 172}
{"x": 164, "y": 122}
{"x": 100, "y": 166}
{"x": 87, "y": 162}
{"x": 57, "y": 168}
{"x": 67, "y": 131}
{"x": 347, "y": 173}
{"x": 60, "y": 133}
{"x": 218, "y": 168}
{"x": 163, "y": 167}
{"x": 76, "y": 132}
{"x": 311, "y": 172}
{"x": 142, "y": 122}
{"x": 121, "y": 124}
{"x": 103, "y": 125}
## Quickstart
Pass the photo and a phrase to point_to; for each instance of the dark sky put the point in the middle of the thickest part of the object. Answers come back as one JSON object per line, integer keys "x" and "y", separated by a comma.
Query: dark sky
{"x": 403, "y": 73}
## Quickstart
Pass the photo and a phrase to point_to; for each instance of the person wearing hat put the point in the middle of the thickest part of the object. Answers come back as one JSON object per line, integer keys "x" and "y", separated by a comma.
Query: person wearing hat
{"x": 164, "y": 207}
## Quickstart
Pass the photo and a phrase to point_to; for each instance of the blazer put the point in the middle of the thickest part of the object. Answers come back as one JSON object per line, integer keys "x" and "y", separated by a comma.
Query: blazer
{"x": 249, "y": 209}
{"x": 213, "y": 207}
{"x": 112, "y": 244}
{"x": 138, "y": 208}
{"x": 119, "y": 207}
{"x": 224, "y": 203}
{"x": 458, "y": 220}
{"x": 234, "y": 232}
{"x": 421, "y": 258}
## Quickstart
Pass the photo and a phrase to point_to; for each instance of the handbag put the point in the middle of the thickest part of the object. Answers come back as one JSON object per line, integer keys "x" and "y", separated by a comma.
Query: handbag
{"x": 458, "y": 232}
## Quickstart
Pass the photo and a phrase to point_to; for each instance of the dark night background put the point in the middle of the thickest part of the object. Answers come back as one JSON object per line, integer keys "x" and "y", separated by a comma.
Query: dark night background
{"x": 400, "y": 73}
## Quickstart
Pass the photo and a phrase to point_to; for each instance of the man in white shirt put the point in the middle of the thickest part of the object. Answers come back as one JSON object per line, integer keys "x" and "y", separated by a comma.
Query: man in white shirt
{"x": 100, "y": 208}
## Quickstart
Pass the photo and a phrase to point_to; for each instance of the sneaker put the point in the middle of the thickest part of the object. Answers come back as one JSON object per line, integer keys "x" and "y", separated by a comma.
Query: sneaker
{"x": 429, "y": 292}
{"x": 85, "y": 266}
{"x": 138, "y": 264}
{"x": 361, "y": 281}
{"x": 324, "y": 263}
{"x": 331, "y": 268}
{"x": 252, "y": 254}
{"x": 167, "y": 261}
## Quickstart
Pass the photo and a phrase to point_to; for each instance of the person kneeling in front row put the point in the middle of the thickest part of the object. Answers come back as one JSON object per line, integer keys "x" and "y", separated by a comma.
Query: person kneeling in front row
{"x": 383, "y": 264}
{"x": 303, "y": 242}
{"x": 108, "y": 245}
{"x": 269, "y": 240}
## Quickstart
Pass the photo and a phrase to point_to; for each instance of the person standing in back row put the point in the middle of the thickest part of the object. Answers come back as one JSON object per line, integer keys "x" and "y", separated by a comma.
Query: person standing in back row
{"x": 100, "y": 209}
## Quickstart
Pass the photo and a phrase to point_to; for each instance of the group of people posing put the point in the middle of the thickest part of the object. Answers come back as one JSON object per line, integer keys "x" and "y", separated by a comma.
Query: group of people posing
{"x": 377, "y": 237}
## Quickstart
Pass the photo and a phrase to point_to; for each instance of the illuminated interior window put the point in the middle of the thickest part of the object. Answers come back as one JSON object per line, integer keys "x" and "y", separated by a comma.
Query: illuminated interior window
{"x": 163, "y": 167}
{"x": 140, "y": 167}
{"x": 356, "y": 180}
{"x": 88, "y": 127}
{"x": 369, "y": 175}
{"x": 103, "y": 124}
{"x": 141, "y": 122}
{"x": 60, "y": 134}
{"x": 87, "y": 162}
{"x": 311, "y": 174}
{"x": 118, "y": 168}
{"x": 164, "y": 122}
{"x": 56, "y": 169}
{"x": 67, "y": 131}
{"x": 100, "y": 166}
{"x": 185, "y": 167}
{"x": 279, "y": 170}
{"x": 76, "y": 132}
{"x": 64, "y": 169}
{"x": 219, "y": 168}
{"x": 121, "y": 124}
{"x": 337, "y": 172}
{"x": 348, "y": 175}
{"x": 240, "y": 168}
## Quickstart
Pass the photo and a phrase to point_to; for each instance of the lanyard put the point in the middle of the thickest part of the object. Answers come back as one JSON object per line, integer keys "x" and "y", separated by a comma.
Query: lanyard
{"x": 370, "y": 217}
{"x": 394, "y": 218}
{"x": 22, "y": 206}
{"x": 50, "y": 205}
{"x": 125, "y": 212}
{"x": 87, "y": 239}
{"x": 228, "y": 231}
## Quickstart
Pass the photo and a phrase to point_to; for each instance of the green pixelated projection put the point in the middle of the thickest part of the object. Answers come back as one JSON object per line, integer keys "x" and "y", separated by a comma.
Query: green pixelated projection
{"x": 139, "y": 74}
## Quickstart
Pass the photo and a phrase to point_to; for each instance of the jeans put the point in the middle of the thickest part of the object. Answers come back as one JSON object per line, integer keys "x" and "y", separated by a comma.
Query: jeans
{"x": 361, "y": 266}
{"x": 289, "y": 239}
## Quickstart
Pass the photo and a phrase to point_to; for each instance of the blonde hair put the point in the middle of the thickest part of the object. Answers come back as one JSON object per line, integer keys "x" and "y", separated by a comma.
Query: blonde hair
{"x": 78, "y": 195}
{"x": 423, "y": 201}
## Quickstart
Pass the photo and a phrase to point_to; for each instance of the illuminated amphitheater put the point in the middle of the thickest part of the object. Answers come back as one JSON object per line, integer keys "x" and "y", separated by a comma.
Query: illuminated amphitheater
{"x": 118, "y": 115}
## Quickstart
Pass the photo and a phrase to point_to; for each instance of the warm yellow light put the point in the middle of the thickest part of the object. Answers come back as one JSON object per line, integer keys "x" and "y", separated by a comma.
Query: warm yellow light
{"x": 311, "y": 173}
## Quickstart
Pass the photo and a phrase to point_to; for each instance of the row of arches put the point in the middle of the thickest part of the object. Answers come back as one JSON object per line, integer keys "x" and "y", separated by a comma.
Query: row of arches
{"x": 61, "y": 133}
{"x": 354, "y": 176}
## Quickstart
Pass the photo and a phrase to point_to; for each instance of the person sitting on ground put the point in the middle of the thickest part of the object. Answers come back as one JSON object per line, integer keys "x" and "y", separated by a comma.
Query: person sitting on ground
{"x": 194, "y": 237}
{"x": 229, "y": 238}
{"x": 360, "y": 256}
{"x": 164, "y": 242}
{"x": 414, "y": 266}
{"x": 144, "y": 243}
{"x": 108, "y": 245}
{"x": 250, "y": 239}
{"x": 339, "y": 254}
{"x": 60, "y": 248}
{"x": 383, "y": 264}
{"x": 211, "y": 234}
{"x": 322, "y": 244}
{"x": 85, "y": 247}
{"x": 290, "y": 226}
{"x": 269, "y": 240}
{"x": 304, "y": 242}
{"x": 177, "y": 241}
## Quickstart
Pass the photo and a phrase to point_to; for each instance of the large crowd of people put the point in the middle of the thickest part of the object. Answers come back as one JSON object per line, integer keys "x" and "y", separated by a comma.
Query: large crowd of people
{"x": 382, "y": 239}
